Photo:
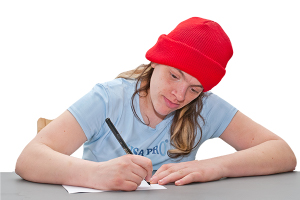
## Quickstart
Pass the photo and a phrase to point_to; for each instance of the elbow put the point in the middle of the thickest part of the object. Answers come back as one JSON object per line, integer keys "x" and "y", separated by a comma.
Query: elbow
{"x": 19, "y": 168}
{"x": 293, "y": 162}
{"x": 23, "y": 165}
{"x": 288, "y": 160}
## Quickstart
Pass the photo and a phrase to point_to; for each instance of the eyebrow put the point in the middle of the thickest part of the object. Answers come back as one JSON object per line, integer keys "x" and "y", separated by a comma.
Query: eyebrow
{"x": 184, "y": 78}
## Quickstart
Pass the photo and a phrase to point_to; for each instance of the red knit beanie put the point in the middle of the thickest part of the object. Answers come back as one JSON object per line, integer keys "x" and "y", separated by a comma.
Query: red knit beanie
{"x": 197, "y": 46}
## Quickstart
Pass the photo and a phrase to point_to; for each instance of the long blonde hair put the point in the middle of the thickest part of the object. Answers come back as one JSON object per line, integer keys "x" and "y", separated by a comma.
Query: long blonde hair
{"x": 185, "y": 121}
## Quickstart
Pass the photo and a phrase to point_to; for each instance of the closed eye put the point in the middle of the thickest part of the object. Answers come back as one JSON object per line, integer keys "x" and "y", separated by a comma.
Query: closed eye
{"x": 174, "y": 76}
{"x": 193, "y": 90}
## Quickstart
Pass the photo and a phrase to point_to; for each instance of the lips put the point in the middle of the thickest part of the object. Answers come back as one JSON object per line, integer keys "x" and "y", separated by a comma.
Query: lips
{"x": 170, "y": 104}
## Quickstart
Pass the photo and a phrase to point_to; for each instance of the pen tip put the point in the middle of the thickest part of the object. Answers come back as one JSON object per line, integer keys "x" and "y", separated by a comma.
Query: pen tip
{"x": 148, "y": 182}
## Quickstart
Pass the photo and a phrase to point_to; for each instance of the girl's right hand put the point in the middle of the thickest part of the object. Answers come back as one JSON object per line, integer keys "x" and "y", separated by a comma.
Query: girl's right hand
{"x": 122, "y": 173}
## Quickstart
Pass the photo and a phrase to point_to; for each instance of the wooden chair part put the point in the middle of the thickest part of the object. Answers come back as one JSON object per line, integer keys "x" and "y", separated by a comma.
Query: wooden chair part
{"x": 41, "y": 123}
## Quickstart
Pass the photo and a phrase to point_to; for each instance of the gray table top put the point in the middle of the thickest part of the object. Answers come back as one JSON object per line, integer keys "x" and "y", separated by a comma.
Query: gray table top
{"x": 277, "y": 186}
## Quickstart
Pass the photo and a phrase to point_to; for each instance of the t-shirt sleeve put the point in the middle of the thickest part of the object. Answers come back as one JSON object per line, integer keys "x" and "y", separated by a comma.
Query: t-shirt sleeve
{"x": 91, "y": 110}
{"x": 217, "y": 114}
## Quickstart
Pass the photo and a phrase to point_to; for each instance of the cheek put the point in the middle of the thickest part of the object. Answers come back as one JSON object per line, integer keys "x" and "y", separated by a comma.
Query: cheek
{"x": 159, "y": 85}
{"x": 189, "y": 98}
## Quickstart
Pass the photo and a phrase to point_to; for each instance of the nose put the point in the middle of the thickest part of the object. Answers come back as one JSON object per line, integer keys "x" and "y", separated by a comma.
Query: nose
{"x": 180, "y": 92}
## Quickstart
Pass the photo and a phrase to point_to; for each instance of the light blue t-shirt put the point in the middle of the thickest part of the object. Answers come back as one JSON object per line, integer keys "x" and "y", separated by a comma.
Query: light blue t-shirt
{"x": 113, "y": 100}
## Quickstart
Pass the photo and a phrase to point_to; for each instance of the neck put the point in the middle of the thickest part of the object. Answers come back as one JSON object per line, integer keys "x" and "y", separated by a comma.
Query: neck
{"x": 150, "y": 116}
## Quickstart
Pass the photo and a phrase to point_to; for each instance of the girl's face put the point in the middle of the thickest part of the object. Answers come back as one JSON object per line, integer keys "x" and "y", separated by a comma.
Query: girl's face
{"x": 171, "y": 89}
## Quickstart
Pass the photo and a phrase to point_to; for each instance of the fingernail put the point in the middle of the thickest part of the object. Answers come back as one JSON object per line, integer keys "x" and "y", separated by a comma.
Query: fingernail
{"x": 152, "y": 178}
{"x": 160, "y": 182}
{"x": 177, "y": 183}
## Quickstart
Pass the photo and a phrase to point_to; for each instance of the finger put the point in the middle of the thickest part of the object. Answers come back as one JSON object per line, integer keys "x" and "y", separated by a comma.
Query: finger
{"x": 164, "y": 171}
{"x": 130, "y": 186}
{"x": 133, "y": 177}
{"x": 163, "y": 168}
{"x": 127, "y": 181}
{"x": 127, "y": 186}
{"x": 160, "y": 173}
{"x": 139, "y": 171}
{"x": 145, "y": 163}
{"x": 190, "y": 178}
{"x": 174, "y": 176}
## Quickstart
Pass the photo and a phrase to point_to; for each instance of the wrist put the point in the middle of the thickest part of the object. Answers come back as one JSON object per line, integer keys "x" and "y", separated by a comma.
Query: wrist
{"x": 93, "y": 174}
{"x": 226, "y": 165}
{"x": 82, "y": 173}
{"x": 217, "y": 167}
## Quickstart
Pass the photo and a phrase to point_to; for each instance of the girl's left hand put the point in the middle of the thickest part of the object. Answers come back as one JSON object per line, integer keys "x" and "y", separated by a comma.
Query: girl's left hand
{"x": 188, "y": 172}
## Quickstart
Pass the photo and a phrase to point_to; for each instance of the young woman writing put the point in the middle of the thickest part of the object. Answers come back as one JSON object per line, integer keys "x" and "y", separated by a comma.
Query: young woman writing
{"x": 164, "y": 111}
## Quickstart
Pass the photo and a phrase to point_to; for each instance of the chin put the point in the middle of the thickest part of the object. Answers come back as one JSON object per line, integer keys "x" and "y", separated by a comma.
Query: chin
{"x": 163, "y": 111}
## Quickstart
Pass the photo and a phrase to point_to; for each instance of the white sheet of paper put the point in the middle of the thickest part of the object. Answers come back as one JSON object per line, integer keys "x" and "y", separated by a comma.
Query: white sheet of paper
{"x": 144, "y": 186}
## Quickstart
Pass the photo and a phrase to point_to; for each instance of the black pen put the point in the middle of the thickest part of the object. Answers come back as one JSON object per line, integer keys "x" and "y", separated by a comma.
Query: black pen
{"x": 119, "y": 138}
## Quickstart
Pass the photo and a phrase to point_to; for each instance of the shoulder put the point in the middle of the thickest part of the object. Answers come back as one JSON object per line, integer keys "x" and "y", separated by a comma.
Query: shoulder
{"x": 212, "y": 100}
{"x": 217, "y": 114}
{"x": 118, "y": 91}
{"x": 116, "y": 87}
{"x": 118, "y": 84}
{"x": 216, "y": 110}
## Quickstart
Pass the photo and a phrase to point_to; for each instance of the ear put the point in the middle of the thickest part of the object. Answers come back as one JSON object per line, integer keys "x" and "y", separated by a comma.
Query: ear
{"x": 153, "y": 65}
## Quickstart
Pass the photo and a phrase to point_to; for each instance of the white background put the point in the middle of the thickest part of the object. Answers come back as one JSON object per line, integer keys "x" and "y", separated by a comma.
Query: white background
{"x": 53, "y": 52}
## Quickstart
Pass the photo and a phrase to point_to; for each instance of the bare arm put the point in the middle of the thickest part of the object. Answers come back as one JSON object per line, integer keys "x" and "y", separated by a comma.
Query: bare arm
{"x": 259, "y": 152}
{"x": 47, "y": 159}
